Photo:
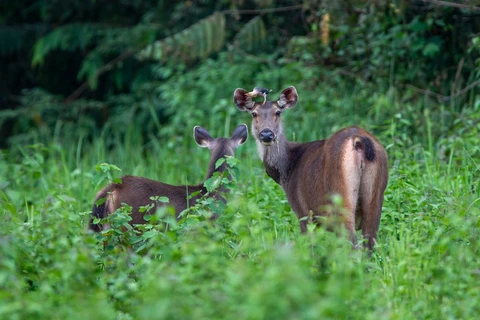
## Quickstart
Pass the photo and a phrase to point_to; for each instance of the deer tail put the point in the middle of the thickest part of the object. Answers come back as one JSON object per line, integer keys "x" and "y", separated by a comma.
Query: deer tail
{"x": 366, "y": 145}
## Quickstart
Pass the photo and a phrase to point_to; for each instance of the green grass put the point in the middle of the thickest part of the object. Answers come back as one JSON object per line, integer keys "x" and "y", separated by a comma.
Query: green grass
{"x": 251, "y": 263}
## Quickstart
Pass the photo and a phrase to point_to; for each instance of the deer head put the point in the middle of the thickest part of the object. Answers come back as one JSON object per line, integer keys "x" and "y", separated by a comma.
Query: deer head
{"x": 266, "y": 123}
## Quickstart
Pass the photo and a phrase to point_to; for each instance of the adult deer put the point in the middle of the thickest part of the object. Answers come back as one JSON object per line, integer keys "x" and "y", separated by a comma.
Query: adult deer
{"x": 137, "y": 191}
{"x": 351, "y": 163}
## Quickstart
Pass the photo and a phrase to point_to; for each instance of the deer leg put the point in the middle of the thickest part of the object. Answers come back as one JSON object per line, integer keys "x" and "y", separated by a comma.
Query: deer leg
{"x": 371, "y": 207}
{"x": 348, "y": 211}
{"x": 303, "y": 225}
{"x": 350, "y": 205}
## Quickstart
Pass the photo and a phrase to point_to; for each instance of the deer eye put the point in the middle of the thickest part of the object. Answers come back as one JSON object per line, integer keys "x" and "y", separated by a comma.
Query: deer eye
{"x": 278, "y": 113}
{"x": 254, "y": 114}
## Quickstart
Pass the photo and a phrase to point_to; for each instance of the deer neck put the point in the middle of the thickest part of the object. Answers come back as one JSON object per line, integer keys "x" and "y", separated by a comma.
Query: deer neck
{"x": 215, "y": 156}
{"x": 276, "y": 158}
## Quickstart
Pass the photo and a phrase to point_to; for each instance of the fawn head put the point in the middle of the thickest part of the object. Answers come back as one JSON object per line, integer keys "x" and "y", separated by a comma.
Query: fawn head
{"x": 220, "y": 147}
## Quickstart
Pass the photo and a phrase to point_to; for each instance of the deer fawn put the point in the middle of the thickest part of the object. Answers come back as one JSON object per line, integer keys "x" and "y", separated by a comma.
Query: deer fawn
{"x": 351, "y": 163}
{"x": 136, "y": 191}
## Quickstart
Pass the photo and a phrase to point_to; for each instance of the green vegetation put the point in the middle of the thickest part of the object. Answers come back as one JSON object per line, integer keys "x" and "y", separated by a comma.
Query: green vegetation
{"x": 252, "y": 262}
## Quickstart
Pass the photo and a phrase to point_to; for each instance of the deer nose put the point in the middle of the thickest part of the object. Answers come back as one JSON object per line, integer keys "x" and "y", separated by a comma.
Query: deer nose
{"x": 266, "y": 135}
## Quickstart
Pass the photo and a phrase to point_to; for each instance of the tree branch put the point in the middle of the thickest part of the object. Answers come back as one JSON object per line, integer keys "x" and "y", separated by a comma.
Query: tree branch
{"x": 109, "y": 66}
{"x": 259, "y": 11}
{"x": 464, "y": 90}
{"x": 441, "y": 97}
{"x": 426, "y": 92}
{"x": 452, "y": 4}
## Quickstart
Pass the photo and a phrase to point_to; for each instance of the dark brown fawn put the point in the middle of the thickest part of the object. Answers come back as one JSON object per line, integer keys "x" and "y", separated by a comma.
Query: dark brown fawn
{"x": 351, "y": 163}
{"x": 137, "y": 191}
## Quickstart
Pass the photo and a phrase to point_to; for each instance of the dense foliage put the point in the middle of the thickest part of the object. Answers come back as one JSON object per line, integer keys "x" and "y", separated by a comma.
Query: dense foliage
{"x": 92, "y": 64}
{"x": 88, "y": 86}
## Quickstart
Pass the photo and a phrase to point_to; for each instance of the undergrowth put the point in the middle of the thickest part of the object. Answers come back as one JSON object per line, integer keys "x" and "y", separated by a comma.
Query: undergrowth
{"x": 252, "y": 262}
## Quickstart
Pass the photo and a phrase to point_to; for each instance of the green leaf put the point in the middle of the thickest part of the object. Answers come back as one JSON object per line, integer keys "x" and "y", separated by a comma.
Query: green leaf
{"x": 163, "y": 199}
{"x": 97, "y": 179}
{"x": 100, "y": 201}
{"x": 219, "y": 162}
{"x": 106, "y": 167}
{"x": 431, "y": 49}
{"x": 212, "y": 183}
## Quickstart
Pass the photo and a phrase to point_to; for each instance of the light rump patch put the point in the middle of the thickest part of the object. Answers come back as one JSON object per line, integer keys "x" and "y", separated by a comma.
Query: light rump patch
{"x": 110, "y": 202}
{"x": 352, "y": 162}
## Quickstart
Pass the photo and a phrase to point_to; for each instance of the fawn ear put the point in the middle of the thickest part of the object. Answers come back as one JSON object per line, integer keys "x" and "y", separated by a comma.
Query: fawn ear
{"x": 243, "y": 101}
{"x": 240, "y": 135}
{"x": 288, "y": 98}
{"x": 202, "y": 137}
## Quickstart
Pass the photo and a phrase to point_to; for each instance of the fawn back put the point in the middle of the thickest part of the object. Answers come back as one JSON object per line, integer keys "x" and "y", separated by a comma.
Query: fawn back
{"x": 137, "y": 191}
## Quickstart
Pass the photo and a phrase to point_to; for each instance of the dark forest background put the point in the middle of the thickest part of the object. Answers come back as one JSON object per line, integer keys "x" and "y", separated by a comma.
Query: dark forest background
{"x": 87, "y": 66}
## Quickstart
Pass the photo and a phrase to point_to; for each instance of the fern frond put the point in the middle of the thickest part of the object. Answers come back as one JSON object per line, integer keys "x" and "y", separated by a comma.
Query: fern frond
{"x": 221, "y": 33}
{"x": 68, "y": 37}
{"x": 198, "y": 41}
{"x": 90, "y": 65}
{"x": 252, "y": 35}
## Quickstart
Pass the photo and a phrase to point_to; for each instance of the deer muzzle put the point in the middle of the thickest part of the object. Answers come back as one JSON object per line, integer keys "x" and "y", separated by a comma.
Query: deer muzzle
{"x": 266, "y": 136}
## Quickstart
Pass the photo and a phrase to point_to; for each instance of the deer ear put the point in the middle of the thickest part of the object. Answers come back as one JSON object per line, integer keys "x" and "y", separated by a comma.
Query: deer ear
{"x": 240, "y": 134}
{"x": 288, "y": 98}
{"x": 242, "y": 100}
{"x": 202, "y": 137}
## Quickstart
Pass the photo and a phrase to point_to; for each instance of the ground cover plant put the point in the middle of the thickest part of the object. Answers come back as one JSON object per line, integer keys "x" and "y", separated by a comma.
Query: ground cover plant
{"x": 406, "y": 71}
{"x": 252, "y": 262}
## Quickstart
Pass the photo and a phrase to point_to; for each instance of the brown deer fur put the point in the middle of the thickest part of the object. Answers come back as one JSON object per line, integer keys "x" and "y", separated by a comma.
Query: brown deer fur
{"x": 136, "y": 191}
{"x": 351, "y": 163}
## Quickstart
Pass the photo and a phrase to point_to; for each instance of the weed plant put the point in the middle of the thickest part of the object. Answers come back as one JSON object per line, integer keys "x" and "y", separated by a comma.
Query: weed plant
{"x": 252, "y": 262}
